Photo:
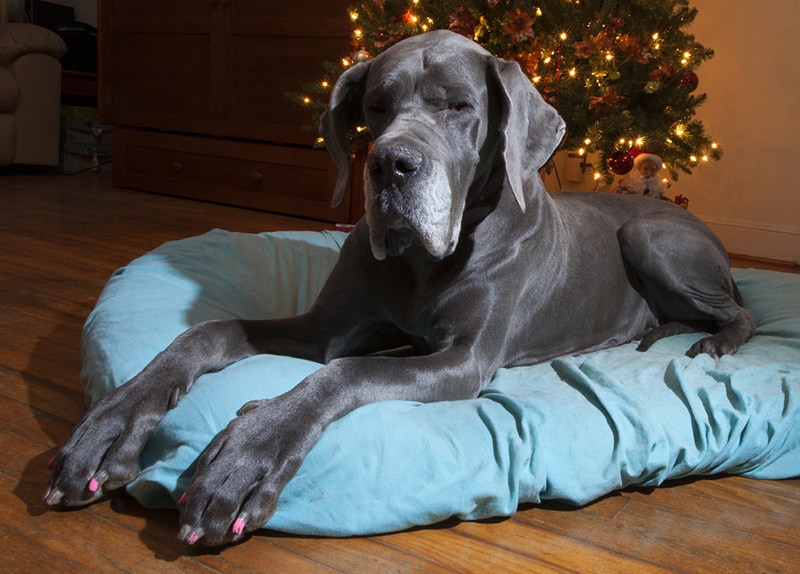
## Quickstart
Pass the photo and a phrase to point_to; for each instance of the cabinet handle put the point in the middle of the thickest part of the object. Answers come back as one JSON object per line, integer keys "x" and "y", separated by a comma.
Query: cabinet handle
{"x": 257, "y": 176}
{"x": 177, "y": 166}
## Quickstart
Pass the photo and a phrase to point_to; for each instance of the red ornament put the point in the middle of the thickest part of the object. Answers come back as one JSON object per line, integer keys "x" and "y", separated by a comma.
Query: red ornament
{"x": 620, "y": 162}
{"x": 690, "y": 81}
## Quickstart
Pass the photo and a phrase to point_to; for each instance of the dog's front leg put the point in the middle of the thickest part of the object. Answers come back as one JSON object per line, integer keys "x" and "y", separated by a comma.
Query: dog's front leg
{"x": 103, "y": 452}
{"x": 240, "y": 476}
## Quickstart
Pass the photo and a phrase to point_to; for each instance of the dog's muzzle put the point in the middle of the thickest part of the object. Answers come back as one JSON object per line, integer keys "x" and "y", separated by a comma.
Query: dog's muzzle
{"x": 408, "y": 200}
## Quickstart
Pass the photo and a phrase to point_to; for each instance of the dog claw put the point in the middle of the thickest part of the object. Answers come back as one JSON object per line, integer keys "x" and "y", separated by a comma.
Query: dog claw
{"x": 238, "y": 525}
{"x": 93, "y": 485}
{"x": 52, "y": 496}
{"x": 182, "y": 500}
{"x": 189, "y": 535}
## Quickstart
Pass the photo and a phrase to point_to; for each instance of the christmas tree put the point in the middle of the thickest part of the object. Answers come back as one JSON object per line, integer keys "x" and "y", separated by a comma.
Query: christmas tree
{"x": 620, "y": 72}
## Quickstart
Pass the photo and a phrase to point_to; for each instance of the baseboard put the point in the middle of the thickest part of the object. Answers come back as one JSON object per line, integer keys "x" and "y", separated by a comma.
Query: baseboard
{"x": 770, "y": 243}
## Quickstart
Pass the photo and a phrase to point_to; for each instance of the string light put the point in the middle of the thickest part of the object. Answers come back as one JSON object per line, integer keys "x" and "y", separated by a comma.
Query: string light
{"x": 354, "y": 16}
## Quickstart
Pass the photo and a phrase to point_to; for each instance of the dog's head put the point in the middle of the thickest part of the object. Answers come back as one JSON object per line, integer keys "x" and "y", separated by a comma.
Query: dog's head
{"x": 442, "y": 111}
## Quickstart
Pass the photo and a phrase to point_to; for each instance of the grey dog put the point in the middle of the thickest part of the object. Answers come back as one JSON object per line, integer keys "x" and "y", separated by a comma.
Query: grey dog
{"x": 462, "y": 257}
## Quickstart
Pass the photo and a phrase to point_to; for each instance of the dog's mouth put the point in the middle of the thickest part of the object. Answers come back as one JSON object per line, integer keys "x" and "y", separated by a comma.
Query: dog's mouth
{"x": 398, "y": 240}
{"x": 393, "y": 240}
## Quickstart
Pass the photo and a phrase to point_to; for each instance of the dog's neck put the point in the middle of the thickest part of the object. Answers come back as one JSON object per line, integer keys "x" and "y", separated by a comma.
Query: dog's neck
{"x": 481, "y": 203}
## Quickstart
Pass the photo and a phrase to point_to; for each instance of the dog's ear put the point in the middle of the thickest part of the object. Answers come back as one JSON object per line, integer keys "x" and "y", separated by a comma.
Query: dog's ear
{"x": 343, "y": 114}
{"x": 530, "y": 128}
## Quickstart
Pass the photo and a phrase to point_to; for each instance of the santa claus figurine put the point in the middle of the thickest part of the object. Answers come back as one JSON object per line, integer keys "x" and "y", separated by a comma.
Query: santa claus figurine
{"x": 643, "y": 178}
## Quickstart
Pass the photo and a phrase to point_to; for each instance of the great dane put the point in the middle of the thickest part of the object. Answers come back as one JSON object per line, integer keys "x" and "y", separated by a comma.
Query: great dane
{"x": 463, "y": 258}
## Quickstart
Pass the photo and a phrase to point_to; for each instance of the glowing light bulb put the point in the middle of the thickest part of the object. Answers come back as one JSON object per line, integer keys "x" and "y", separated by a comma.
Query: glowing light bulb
{"x": 354, "y": 16}
{"x": 609, "y": 56}
{"x": 597, "y": 176}
{"x": 581, "y": 152}
{"x": 655, "y": 36}
{"x": 537, "y": 79}
{"x": 573, "y": 72}
{"x": 563, "y": 35}
{"x": 714, "y": 145}
{"x": 639, "y": 142}
{"x": 325, "y": 84}
{"x": 693, "y": 158}
{"x": 306, "y": 100}
{"x": 587, "y": 141}
{"x": 538, "y": 12}
{"x": 346, "y": 63}
{"x": 357, "y": 33}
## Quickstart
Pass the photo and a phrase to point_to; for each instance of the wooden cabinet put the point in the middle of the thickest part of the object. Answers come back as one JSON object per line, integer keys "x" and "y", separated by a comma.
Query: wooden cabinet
{"x": 196, "y": 92}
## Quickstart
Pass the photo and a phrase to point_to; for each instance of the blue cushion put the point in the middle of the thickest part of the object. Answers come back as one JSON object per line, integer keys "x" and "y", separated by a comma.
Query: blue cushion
{"x": 572, "y": 429}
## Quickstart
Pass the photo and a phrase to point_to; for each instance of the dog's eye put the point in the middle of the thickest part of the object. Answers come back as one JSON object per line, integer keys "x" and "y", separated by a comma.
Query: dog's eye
{"x": 377, "y": 108}
{"x": 457, "y": 106}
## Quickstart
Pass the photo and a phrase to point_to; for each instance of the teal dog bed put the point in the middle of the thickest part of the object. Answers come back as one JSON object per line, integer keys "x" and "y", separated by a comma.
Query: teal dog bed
{"x": 572, "y": 429}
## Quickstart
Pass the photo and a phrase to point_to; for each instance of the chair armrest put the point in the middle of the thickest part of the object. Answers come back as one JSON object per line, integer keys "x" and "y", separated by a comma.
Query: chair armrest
{"x": 17, "y": 38}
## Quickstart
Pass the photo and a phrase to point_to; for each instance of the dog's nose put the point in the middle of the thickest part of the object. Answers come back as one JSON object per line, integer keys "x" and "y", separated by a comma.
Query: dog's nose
{"x": 394, "y": 163}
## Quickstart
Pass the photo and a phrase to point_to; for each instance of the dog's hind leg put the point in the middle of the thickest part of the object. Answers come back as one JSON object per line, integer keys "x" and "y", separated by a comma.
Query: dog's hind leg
{"x": 683, "y": 272}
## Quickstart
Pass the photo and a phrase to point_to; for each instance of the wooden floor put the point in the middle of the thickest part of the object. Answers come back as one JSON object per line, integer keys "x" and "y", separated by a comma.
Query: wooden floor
{"x": 61, "y": 237}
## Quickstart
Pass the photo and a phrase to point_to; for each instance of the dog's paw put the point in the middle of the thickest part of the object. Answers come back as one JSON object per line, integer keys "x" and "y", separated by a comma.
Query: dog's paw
{"x": 102, "y": 454}
{"x": 713, "y": 346}
{"x": 240, "y": 476}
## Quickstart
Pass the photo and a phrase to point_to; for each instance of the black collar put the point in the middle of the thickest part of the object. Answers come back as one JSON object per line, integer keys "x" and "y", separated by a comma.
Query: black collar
{"x": 487, "y": 198}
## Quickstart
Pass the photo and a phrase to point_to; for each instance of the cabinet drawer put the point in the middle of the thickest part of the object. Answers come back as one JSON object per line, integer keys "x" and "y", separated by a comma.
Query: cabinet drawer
{"x": 282, "y": 179}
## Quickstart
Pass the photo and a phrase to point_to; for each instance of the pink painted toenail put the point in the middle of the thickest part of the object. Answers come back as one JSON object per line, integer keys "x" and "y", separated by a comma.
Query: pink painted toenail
{"x": 51, "y": 463}
{"x": 46, "y": 495}
{"x": 182, "y": 499}
{"x": 238, "y": 526}
{"x": 192, "y": 538}
{"x": 94, "y": 486}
